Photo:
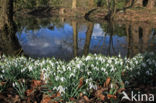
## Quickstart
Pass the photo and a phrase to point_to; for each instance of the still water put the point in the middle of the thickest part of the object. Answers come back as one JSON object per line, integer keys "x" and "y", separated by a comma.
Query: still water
{"x": 67, "y": 38}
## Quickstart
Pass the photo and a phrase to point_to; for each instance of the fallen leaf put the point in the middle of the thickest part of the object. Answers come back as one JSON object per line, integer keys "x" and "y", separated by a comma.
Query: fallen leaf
{"x": 29, "y": 92}
{"x": 102, "y": 97}
{"x": 81, "y": 94}
{"x": 80, "y": 82}
{"x": 36, "y": 83}
{"x": 107, "y": 82}
{"x": 72, "y": 99}
{"x": 109, "y": 96}
{"x": 86, "y": 98}
{"x": 99, "y": 94}
{"x": 58, "y": 94}
{"x": 120, "y": 90}
{"x": 46, "y": 99}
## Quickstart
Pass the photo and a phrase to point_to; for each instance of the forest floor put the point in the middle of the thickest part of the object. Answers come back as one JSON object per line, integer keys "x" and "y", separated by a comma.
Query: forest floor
{"x": 97, "y": 14}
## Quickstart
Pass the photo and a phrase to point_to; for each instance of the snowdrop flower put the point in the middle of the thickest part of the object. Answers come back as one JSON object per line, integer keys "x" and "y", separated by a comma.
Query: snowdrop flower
{"x": 109, "y": 61}
{"x": 62, "y": 79}
{"x": 64, "y": 68}
{"x": 126, "y": 82}
{"x": 3, "y": 71}
{"x": 71, "y": 75}
{"x": 138, "y": 73}
{"x": 61, "y": 89}
{"x": 119, "y": 55}
{"x": 89, "y": 73}
{"x": 143, "y": 64}
{"x": 78, "y": 65}
{"x": 92, "y": 65}
{"x": 88, "y": 58}
{"x": 103, "y": 69}
{"x": 13, "y": 84}
{"x": 1, "y": 76}
{"x": 147, "y": 72}
{"x": 111, "y": 85}
{"x": 30, "y": 68}
{"x": 57, "y": 78}
{"x": 151, "y": 53}
{"x": 136, "y": 62}
{"x": 92, "y": 86}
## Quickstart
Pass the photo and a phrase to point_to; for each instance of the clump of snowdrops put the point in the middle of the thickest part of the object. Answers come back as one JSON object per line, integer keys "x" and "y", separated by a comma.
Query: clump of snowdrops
{"x": 92, "y": 70}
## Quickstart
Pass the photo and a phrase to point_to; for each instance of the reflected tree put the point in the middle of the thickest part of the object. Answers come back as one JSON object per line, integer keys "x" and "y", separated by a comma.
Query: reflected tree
{"x": 75, "y": 37}
{"x": 138, "y": 37}
{"x": 88, "y": 38}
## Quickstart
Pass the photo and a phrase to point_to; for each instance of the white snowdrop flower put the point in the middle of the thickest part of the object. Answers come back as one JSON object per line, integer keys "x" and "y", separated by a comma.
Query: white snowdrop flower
{"x": 78, "y": 65}
{"x": 57, "y": 78}
{"x": 74, "y": 70}
{"x": 69, "y": 68}
{"x": 88, "y": 58}
{"x": 107, "y": 65}
{"x": 116, "y": 62}
{"x": 106, "y": 73}
{"x": 23, "y": 80}
{"x": 89, "y": 73}
{"x": 111, "y": 85}
{"x": 112, "y": 69}
{"x": 55, "y": 88}
{"x": 44, "y": 70}
{"x": 100, "y": 58}
{"x": 61, "y": 89}
{"x": 71, "y": 75}
{"x": 92, "y": 65}
{"x": 103, "y": 69}
{"x": 30, "y": 68}
{"x": 92, "y": 86}
{"x": 136, "y": 62}
{"x": 138, "y": 73}
{"x": 131, "y": 76}
{"x": 64, "y": 69}
{"x": 109, "y": 61}
{"x": 13, "y": 84}
{"x": 62, "y": 79}
{"x": 126, "y": 82}
{"x": 3, "y": 71}
{"x": 119, "y": 55}
{"x": 143, "y": 64}
{"x": 87, "y": 80}
{"x": 1, "y": 76}
{"x": 151, "y": 53}
{"x": 147, "y": 72}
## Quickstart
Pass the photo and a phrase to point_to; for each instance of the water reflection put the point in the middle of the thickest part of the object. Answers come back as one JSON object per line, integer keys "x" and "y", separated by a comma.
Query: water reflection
{"x": 70, "y": 38}
{"x": 67, "y": 38}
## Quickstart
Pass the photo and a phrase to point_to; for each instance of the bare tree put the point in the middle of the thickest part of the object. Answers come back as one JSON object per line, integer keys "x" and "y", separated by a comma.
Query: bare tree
{"x": 74, "y": 4}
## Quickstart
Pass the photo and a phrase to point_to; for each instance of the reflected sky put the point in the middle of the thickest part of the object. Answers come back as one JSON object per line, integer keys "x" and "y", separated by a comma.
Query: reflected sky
{"x": 58, "y": 42}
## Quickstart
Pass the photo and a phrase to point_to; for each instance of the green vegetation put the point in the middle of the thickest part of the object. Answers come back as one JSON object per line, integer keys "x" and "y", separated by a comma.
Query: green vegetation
{"x": 80, "y": 75}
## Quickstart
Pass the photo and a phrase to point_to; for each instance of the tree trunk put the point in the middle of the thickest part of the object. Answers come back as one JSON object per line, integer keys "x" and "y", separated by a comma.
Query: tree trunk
{"x": 6, "y": 11}
{"x": 129, "y": 3}
{"x": 8, "y": 40}
{"x": 74, "y": 4}
{"x": 151, "y": 4}
{"x": 138, "y": 3}
{"x": 91, "y": 3}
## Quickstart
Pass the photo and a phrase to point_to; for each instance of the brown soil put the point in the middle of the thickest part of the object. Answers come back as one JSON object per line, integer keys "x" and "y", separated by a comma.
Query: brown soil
{"x": 133, "y": 14}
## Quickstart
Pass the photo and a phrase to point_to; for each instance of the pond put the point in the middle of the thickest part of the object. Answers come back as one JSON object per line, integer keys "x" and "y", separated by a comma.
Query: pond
{"x": 66, "y": 38}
